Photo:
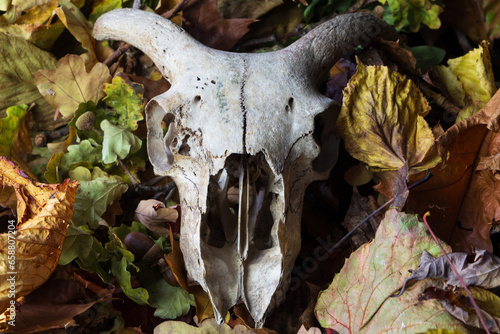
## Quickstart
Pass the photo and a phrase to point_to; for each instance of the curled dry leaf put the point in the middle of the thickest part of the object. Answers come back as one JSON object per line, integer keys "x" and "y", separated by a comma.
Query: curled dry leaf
{"x": 43, "y": 213}
{"x": 381, "y": 121}
{"x": 469, "y": 78}
{"x": 155, "y": 216}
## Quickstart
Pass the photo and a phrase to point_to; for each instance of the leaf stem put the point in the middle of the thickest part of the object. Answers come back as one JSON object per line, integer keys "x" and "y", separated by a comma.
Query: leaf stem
{"x": 476, "y": 308}
{"x": 348, "y": 235}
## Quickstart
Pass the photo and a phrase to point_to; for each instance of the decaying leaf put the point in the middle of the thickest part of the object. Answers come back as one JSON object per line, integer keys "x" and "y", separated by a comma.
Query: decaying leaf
{"x": 19, "y": 60}
{"x": 411, "y": 14}
{"x": 69, "y": 84}
{"x": 478, "y": 269}
{"x": 155, "y": 216}
{"x": 381, "y": 121}
{"x": 43, "y": 213}
{"x": 9, "y": 127}
{"x": 118, "y": 142}
{"x": 100, "y": 7}
{"x": 359, "y": 298}
{"x": 469, "y": 78}
{"x": 127, "y": 100}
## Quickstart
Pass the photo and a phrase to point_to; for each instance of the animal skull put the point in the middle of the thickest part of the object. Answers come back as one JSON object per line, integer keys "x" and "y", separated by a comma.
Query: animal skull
{"x": 247, "y": 134}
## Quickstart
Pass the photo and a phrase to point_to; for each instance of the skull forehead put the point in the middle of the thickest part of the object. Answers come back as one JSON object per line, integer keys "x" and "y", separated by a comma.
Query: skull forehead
{"x": 248, "y": 104}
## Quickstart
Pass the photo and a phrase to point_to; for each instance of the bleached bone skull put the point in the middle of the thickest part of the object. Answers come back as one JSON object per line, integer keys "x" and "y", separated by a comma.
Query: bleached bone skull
{"x": 247, "y": 133}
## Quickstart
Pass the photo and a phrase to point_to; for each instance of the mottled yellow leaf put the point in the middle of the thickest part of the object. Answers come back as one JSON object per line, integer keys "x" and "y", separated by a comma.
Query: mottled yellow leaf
{"x": 381, "y": 121}
{"x": 469, "y": 78}
{"x": 70, "y": 84}
{"x": 30, "y": 250}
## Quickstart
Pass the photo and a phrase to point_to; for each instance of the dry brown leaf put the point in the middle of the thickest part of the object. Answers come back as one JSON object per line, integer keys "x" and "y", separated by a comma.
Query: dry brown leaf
{"x": 43, "y": 214}
{"x": 155, "y": 216}
{"x": 463, "y": 204}
{"x": 206, "y": 25}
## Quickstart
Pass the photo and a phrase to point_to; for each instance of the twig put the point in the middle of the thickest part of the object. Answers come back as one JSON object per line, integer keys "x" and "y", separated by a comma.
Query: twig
{"x": 162, "y": 188}
{"x": 348, "y": 235}
{"x": 125, "y": 169}
{"x": 476, "y": 308}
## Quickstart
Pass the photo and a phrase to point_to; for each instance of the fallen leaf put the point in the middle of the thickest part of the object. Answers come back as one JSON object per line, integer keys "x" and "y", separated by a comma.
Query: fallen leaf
{"x": 19, "y": 60}
{"x": 155, "y": 216}
{"x": 100, "y": 7}
{"x": 170, "y": 302}
{"x": 43, "y": 213}
{"x": 359, "y": 298}
{"x": 206, "y": 25}
{"x": 9, "y": 128}
{"x": 118, "y": 142}
{"x": 463, "y": 201}
{"x": 312, "y": 330}
{"x": 411, "y": 14}
{"x": 381, "y": 121}
{"x": 81, "y": 29}
{"x": 208, "y": 326}
{"x": 469, "y": 78}
{"x": 127, "y": 100}
{"x": 427, "y": 56}
{"x": 69, "y": 84}
{"x": 96, "y": 193}
{"x": 245, "y": 9}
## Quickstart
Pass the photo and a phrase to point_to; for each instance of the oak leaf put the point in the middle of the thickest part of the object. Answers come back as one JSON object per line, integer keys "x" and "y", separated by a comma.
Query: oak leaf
{"x": 360, "y": 297}
{"x": 381, "y": 121}
{"x": 43, "y": 213}
{"x": 408, "y": 13}
{"x": 118, "y": 142}
{"x": 69, "y": 84}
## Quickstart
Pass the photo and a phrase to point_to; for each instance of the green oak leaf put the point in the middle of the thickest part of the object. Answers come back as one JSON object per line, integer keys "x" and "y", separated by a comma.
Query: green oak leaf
{"x": 86, "y": 152}
{"x": 9, "y": 127}
{"x": 122, "y": 275}
{"x": 95, "y": 195}
{"x": 170, "y": 302}
{"x": 411, "y": 13}
{"x": 81, "y": 246}
{"x": 117, "y": 143}
{"x": 127, "y": 101}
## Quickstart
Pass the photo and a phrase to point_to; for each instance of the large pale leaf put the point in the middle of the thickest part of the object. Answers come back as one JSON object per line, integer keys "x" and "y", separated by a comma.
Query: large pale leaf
{"x": 117, "y": 143}
{"x": 208, "y": 326}
{"x": 359, "y": 300}
{"x": 469, "y": 78}
{"x": 381, "y": 121}
{"x": 127, "y": 100}
{"x": 19, "y": 60}
{"x": 43, "y": 212}
{"x": 411, "y": 14}
{"x": 97, "y": 191}
{"x": 69, "y": 84}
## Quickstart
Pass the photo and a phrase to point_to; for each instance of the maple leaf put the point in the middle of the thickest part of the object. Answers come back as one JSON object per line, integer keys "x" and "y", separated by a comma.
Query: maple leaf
{"x": 381, "y": 121}
{"x": 43, "y": 212}
{"x": 206, "y": 25}
{"x": 359, "y": 298}
{"x": 69, "y": 84}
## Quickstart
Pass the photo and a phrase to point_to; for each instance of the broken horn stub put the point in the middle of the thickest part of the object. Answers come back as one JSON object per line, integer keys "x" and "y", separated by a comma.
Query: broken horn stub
{"x": 246, "y": 135}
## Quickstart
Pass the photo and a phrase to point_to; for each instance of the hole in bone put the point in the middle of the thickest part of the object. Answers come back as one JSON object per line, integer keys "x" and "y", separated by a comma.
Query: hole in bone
{"x": 184, "y": 148}
{"x": 197, "y": 98}
{"x": 289, "y": 106}
{"x": 220, "y": 223}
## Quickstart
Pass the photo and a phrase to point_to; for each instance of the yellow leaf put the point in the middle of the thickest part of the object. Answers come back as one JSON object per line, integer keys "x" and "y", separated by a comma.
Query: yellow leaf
{"x": 381, "y": 121}
{"x": 69, "y": 84}
{"x": 30, "y": 249}
{"x": 469, "y": 78}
